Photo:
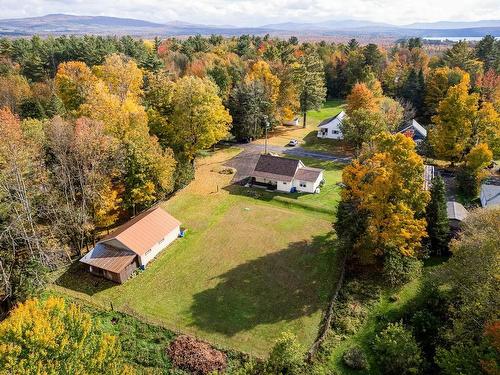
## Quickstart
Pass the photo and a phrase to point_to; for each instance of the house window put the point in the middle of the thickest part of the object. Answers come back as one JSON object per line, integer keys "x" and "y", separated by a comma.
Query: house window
{"x": 284, "y": 183}
{"x": 335, "y": 131}
{"x": 302, "y": 184}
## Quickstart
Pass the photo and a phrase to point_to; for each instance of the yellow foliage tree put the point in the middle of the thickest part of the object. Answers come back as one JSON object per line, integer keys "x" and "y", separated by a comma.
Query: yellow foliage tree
{"x": 74, "y": 80}
{"x": 461, "y": 124}
{"x": 199, "y": 118}
{"x": 437, "y": 84}
{"x": 361, "y": 97}
{"x": 261, "y": 71}
{"x": 51, "y": 337}
{"x": 452, "y": 129}
{"x": 386, "y": 185}
{"x": 122, "y": 76}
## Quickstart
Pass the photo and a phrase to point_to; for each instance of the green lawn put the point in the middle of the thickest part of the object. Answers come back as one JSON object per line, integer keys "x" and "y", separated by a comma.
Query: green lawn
{"x": 248, "y": 269}
{"x": 311, "y": 141}
{"x": 330, "y": 108}
{"x": 322, "y": 205}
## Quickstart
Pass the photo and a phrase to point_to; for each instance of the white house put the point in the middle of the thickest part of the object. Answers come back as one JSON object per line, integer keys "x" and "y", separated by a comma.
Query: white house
{"x": 330, "y": 127}
{"x": 132, "y": 245}
{"x": 286, "y": 175}
{"x": 490, "y": 194}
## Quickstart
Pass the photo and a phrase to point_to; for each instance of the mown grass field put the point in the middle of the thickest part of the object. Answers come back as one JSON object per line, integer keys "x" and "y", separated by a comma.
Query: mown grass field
{"x": 248, "y": 269}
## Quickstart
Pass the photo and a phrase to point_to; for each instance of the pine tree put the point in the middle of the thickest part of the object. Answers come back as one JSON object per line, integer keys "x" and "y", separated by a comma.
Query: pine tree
{"x": 311, "y": 78}
{"x": 437, "y": 219}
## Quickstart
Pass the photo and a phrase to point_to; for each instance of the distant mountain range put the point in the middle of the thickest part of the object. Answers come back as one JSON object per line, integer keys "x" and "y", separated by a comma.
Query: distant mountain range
{"x": 59, "y": 24}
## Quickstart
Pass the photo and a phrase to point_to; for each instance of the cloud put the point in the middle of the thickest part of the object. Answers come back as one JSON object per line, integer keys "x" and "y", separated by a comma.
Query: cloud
{"x": 259, "y": 12}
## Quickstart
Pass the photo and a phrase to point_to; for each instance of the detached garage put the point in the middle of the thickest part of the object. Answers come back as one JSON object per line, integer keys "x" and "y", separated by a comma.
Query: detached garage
{"x": 132, "y": 245}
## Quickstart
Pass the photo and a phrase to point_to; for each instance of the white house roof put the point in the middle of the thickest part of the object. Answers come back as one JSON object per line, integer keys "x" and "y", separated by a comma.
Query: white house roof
{"x": 284, "y": 169}
{"x": 337, "y": 118}
{"x": 456, "y": 211}
{"x": 415, "y": 126}
{"x": 490, "y": 194}
{"x": 140, "y": 233}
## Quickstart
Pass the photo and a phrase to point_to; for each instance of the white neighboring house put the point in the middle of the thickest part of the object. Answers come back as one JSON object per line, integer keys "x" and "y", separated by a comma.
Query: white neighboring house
{"x": 330, "y": 127}
{"x": 490, "y": 194}
{"x": 286, "y": 175}
{"x": 132, "y": 245}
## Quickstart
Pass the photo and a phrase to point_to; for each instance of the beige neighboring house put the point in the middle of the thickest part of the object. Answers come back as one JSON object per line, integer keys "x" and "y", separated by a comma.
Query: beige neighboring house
{"x": 286, "y": 175}
{"x": 132, "y": 245}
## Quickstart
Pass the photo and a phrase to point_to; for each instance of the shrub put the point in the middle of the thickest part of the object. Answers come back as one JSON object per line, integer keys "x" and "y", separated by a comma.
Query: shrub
{"x": 355, "y": 358}
{"x": 400, "y": 269}
{"x": 286, "y": 357}
{"x": 54, "y": 337}
{"x": 397, "y": 351}
{"x": 184, "y": 173}
{"x": 196, "y": 356}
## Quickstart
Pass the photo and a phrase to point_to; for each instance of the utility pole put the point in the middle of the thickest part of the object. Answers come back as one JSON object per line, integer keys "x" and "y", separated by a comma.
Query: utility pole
{"x": 266, "y": 124}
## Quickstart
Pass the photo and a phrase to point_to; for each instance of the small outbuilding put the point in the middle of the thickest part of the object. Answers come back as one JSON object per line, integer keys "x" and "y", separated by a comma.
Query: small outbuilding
{"x": 456, "y": 214}
{"x": 330, "y": 127}
{"x": 132, "y": 245}
{"x": 286, "y": 175}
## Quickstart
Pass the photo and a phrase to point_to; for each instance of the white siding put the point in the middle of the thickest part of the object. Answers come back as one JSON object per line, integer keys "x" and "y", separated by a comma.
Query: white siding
{"x": 310, "y": 187}
{"x": 156, "y": 249}
{"x": 284, "y": 186}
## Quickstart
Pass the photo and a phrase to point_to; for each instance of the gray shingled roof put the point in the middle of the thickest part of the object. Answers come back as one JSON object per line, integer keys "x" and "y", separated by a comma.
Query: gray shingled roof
{"x": 308, "y": 174}
{"x": 491, "y": 192}
{"x": 275, "y": 167}
{"x": 456, "y": 211}
{"x": 329, "y": 119}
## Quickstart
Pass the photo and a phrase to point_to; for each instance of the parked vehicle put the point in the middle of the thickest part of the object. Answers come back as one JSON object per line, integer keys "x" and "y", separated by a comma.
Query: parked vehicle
{"x": 293, "y": 142}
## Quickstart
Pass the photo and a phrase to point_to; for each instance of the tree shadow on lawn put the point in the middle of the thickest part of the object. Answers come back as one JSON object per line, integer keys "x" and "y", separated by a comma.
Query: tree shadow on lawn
{"x": 283, "y": 286}
{"x": 78, "y": 278}
{"x": 333, "y": 146}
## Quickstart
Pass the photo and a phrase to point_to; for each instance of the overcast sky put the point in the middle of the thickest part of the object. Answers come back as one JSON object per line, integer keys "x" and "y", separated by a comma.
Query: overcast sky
{"x": 259, "y": 12}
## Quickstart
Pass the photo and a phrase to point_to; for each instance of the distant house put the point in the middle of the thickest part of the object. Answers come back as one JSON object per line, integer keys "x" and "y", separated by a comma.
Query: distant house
{"x": 456, "y": 214}
{"x": 330, "y": 127}
{"x": 429, "y": 173}
{"x": 286, "y": 175}
{"x": 132, "y": 245}
{"x": 415, "y": 131}
{"x": 490, "y": 193}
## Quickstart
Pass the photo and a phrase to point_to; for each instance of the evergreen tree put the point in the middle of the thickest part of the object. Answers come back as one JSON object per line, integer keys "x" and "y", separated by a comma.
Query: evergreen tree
{"x": 437, "y": 219}
{"x": 311, "y": 78}
{"x": 414, "y": 88}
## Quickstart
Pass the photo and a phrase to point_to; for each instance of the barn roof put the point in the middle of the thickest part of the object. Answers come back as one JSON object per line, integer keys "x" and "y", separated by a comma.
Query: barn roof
{"x": 140, "y": 233}
{"x": 109, "y": 258}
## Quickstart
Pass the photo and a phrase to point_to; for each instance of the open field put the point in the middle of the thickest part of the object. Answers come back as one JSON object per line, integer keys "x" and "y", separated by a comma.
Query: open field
{"x": 307, "y": 136}
{"x": 248, "y": 269}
